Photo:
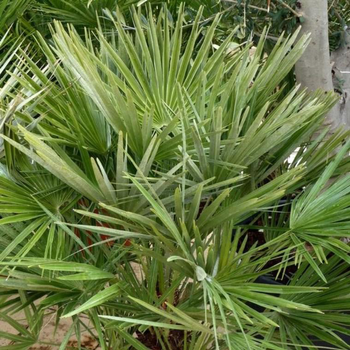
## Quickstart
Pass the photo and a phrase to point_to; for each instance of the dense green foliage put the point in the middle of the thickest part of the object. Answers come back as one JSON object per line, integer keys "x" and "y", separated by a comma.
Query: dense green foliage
{"x": 251, "y": 16}
{"x": 145, "y": 187}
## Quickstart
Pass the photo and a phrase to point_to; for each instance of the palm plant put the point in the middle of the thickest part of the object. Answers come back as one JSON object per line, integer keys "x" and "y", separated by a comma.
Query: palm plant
{"x": 134, "y": 173}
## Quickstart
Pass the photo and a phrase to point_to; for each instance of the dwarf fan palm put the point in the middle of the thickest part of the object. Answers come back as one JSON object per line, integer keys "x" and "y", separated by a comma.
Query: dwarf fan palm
{"x": 133, "y": 173}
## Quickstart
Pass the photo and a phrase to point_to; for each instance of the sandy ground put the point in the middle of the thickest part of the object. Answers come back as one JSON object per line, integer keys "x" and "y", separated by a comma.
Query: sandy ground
{"x": 48, "y": 335}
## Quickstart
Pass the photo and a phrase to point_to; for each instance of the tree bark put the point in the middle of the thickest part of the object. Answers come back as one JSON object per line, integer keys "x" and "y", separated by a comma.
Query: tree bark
{"x": 314, "y": 69}
{"x": 341, "y": 79}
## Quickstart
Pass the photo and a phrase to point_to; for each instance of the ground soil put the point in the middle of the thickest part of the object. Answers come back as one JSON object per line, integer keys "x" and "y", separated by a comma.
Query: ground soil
{"x": 48, "y": 335}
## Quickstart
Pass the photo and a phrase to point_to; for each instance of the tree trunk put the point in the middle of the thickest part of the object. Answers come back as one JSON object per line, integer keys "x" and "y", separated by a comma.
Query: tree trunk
{"x": 341, "y": 79}
{"x": 314, "y": 69}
